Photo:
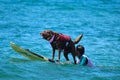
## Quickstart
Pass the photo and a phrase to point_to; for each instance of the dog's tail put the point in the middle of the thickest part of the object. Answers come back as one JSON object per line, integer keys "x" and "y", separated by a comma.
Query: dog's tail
{"x": 78, "y": 39}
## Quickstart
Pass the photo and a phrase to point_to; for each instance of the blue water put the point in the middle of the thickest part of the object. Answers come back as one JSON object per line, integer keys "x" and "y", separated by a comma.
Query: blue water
{"x": 21, "y": 21}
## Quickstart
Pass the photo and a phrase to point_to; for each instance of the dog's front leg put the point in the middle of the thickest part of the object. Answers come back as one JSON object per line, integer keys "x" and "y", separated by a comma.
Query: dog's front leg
{"x": 59, "y": 52}
{"x": 53, "y": 53}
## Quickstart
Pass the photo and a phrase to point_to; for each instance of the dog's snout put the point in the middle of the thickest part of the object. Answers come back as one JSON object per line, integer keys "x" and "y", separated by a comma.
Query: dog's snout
{"x": 41, "y": 33}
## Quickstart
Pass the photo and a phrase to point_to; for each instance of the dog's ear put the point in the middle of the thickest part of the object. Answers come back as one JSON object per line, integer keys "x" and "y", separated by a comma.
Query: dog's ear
{"x": 51, "y": 33}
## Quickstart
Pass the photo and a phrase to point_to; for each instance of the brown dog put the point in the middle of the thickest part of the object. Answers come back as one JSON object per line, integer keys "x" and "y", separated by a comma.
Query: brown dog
{"x": 61, "y": 42}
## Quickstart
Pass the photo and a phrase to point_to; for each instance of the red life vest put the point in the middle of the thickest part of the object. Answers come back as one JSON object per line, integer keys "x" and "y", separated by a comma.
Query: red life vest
{"x": 64, "y": 38}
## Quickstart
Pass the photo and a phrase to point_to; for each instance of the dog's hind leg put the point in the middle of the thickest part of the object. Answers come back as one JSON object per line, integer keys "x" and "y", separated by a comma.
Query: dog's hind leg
{"x": 66, "y": 55}
{"x": 73, "y": 55}
{"x": 74, "y": 59}
{"x": 73, "y": 52}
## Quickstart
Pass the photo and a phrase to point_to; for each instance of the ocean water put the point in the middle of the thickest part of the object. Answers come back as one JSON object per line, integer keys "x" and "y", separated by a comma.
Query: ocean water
{"x": 21, "y": 21}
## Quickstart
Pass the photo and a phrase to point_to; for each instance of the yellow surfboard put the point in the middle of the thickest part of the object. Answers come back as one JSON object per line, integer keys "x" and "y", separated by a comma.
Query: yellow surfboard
{"x": 29, "y": 54}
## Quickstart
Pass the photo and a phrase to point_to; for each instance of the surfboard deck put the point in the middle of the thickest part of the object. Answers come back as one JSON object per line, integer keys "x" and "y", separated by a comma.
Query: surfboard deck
{"x": 29, "y": 54}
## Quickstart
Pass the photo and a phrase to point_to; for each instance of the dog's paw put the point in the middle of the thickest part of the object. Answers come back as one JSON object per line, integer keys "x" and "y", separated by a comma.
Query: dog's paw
{"x": 68, "y": 62}
{"x": 78, "y": 61}
{"x": 57, "y": 61}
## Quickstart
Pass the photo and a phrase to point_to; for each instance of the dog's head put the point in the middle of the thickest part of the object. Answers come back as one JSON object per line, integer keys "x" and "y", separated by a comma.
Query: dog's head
{"x": 47, "y": 34}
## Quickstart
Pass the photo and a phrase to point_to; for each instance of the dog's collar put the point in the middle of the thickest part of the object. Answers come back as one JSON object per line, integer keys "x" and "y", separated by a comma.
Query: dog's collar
{"x": 52, "y": 38}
